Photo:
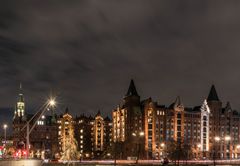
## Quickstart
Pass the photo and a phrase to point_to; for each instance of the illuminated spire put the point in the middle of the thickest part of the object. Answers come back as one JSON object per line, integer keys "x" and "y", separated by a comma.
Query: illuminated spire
{"x": 20, "y": 106}
{"x": 20, "y": 86}
{"x": 20, "y": 96}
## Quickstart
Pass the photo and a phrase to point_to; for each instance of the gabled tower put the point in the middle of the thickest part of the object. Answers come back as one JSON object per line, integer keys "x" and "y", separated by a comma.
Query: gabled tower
{"x": 134, "y": 113}
{"x": 215, "y": 107}
{"x": 127, "y": 122}
{"x": 131, "y": 98}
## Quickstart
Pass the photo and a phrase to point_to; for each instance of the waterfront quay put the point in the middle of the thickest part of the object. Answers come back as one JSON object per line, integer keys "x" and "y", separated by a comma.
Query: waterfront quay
{"x": 145, "y": 163}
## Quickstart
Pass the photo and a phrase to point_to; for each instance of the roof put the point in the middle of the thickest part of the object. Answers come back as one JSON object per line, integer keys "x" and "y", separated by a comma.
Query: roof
{"x": 213, "y": 94}
{"x": 98, "y": 113}
{"x": 132, "y": 89}
{"x": 177, "y": 103}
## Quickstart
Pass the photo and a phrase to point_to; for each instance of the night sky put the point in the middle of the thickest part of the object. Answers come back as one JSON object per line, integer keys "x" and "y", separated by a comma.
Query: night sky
{"x": 86, "y": 52}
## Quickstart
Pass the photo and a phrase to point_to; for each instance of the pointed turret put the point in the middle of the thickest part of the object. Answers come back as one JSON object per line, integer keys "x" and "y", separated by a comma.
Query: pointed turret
{"x": 98, "y": 113}
{"x": 228, "y": 105}
{"x": 66, "y": 110}
{"x": 213, "y": 94}
{"x": 178, "y": 104}
{"x": 132, "y": 89}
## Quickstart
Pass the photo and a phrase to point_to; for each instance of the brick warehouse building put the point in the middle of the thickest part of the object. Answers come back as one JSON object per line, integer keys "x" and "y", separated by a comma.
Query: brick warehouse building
{"x": 210, "y": 129}
{"x": 139, "y": 129}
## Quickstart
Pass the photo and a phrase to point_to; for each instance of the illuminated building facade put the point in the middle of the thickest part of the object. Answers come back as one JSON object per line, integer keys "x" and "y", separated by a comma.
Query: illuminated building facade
{"x": 98, "y": 134}
{"x": 94, "y": 136}
{"x": 128, "y": 124}
{"x": 196, "y": 127}
{"x": 43, "y": 138}
{"x": 83, "y": 135}
{"x": 67, "y": 142}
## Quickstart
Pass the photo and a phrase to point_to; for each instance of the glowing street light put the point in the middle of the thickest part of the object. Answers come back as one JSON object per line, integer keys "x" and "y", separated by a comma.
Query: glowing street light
{"x": 5, "y": 126}
{"x": 162, "y": 145}
{"x": 217, "y": 138}
{"x": 227, "y": 138}
{"x": 199, "y": 146}
{"x": 5, "y": 133}
{"x": 134, "y": 134}
{"x": 141, "y": 134}
{"x": 52, "y": 102}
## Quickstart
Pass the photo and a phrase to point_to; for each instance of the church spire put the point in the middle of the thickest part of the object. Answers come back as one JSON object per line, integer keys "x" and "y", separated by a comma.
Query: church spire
{"x": 20, "y": 106}
{"x": 20, "y": 95}
{"x": 213, "y": 94}
{"x": 132, "y": 89}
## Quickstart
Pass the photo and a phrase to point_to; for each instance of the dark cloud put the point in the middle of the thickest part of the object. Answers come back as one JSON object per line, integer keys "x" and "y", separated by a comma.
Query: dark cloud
{"x": 87, "y": 51}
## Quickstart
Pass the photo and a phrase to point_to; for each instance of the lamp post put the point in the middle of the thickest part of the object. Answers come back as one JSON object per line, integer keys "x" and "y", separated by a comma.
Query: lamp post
{"x": 139, "y": 135}
{"x": 218, "y": 139}
{"x": 199, "y": 150}
{"x": 51, "y": 102}
{"x": 227, "y": 139}
{"x": 5, "y": 137}
{"x": 5, "y": 133}
{"x": 162, "y": 145}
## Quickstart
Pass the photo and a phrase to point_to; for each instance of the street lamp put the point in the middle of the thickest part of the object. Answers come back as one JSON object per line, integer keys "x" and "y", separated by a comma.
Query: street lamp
{"x": 139, "y": 135}
{"x": 5, "y": 137}
{"x": 52, "y": 102}
{"x": 199, "y": 146}
{"x": 199, "y": 150}
{"x": 35, "y": 118}
{"x": 227, "y": 138}
{"x": 216, "y": 139}
{"x": 162, "y": 145}
{"x": 5, "y": 133}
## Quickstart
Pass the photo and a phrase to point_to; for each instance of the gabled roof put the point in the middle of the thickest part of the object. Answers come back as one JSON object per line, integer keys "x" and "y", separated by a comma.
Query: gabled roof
{"x": 213, "y": 94}
{"x": 132, "y": 89}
